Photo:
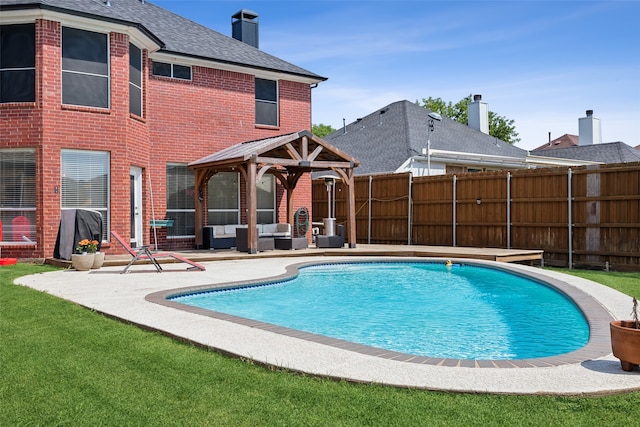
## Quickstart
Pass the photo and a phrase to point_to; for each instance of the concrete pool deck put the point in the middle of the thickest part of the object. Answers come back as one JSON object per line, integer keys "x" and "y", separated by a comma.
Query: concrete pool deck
{"x": 126, "y": 297}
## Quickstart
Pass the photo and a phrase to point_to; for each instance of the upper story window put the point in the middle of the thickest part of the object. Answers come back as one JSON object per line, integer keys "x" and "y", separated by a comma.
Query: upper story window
{"x": 135, "y": 80}
{"x": 171, "y": 70}
{"x": 266, "y": 102}
{"x": 85, "y": 68}
{"x": 18, "y": 63}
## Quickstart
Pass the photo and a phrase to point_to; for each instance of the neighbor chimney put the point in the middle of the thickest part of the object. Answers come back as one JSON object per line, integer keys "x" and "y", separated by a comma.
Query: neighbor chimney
{"x": 244, "y": 27}
{"x": 589, "y": 131}
{"x": 478, "y": 113}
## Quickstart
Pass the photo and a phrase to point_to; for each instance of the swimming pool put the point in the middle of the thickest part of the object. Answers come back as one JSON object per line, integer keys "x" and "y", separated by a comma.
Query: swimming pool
{"x": 416, "y": 308}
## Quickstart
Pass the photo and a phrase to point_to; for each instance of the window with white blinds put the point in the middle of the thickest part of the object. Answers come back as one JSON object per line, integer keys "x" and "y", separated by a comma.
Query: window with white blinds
{"x": 180, "y": 200}
{"x": 266, "y": 199}
{"x": 85, "y": 183}
{"x": 18, "y": 196}
{"x": 224, "y": 198}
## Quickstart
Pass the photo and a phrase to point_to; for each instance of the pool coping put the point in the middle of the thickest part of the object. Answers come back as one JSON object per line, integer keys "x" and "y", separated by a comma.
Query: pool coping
{"x": 597, "y": 317}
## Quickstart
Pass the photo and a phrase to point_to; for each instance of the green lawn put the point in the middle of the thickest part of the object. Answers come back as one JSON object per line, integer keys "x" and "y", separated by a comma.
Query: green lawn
{"x": 628, "y": 283}
{"x": 64, "y": 365}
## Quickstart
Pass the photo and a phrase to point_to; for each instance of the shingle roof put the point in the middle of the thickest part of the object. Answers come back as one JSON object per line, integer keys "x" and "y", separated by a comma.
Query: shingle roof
{"x": 176, "y": 33}
{"x": 610, "y": 152}
{"x": 383, "y": 142}
{"x": 278, "y": 147}
{"x": 566, "y": 140}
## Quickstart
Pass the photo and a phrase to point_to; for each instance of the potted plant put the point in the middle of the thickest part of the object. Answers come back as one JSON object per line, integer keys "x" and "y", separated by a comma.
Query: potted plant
{"x": 83, "y": 259}
{"x": 625, "y": 340}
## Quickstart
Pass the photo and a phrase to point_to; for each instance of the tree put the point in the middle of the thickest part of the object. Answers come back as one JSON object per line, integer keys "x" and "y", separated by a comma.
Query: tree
{"x": 321, "y": 130}
{"x": 499, "y": 126}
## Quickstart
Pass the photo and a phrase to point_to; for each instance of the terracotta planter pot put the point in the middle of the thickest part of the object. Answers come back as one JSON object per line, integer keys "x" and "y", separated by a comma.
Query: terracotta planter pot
{"x": 98, "y": 260}
{"x": 625, "y": 343}
{"x": 82, "y": 262}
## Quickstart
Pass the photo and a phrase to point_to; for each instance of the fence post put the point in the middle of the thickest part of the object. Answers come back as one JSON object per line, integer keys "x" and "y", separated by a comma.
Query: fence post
{"x": 410, "y": 210}
{"x": 455, "y": 179}
{"x": 569, "y": 201}
{"x": 508, "y": 210}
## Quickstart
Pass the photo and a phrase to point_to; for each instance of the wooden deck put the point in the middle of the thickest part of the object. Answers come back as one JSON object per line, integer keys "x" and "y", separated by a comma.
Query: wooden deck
{"x": 532, "y": 257}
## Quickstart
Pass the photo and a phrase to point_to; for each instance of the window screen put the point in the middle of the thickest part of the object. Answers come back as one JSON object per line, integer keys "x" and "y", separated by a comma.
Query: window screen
{"x": 85, "y": 68}
{"x": 135, "y": 80}
{"x": 171, "y": 70}
{"x": 18, "y": 195}
{"x": 85, "y": 182}
{"x": 181, "y": 72}
{"x": 224, "y": 199}
{"x": 181, "y": 199}
{"x": 17, "y": 63}
{"x": 266, "y": 102}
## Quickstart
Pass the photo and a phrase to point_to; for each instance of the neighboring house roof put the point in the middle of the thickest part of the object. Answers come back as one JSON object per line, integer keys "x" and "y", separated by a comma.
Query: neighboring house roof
{"x": 611, "y": 152}
{"x": 176, "y": 34}
{"x": 385, "y": 139}
{"x": 565, "y": 140}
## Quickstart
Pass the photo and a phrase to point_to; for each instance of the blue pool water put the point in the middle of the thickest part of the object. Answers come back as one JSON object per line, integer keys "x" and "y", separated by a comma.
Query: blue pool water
{"x": 419, "y": 308}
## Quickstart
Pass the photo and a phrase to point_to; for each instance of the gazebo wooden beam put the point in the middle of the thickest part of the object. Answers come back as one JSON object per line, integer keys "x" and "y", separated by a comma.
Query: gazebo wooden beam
{"x": 313, "y": 164}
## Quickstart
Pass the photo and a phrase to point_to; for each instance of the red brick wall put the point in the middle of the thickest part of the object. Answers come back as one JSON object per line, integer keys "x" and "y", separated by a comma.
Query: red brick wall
{"x": 182, "y": 121}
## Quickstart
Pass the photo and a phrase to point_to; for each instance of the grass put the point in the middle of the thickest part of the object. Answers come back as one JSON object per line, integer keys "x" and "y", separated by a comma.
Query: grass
{"x": 64, "y": 365}
{"x": 627, "y": 283}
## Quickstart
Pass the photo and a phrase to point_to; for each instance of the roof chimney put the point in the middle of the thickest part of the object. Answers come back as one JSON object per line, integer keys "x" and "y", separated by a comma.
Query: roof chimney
{"x": 589, "y": 131}
{"x": 244, "y": 27}
{"x": 478, "y": 114}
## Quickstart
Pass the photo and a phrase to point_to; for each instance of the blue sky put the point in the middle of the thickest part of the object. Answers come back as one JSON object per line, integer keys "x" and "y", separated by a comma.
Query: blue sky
{"x": 540, "y": 63}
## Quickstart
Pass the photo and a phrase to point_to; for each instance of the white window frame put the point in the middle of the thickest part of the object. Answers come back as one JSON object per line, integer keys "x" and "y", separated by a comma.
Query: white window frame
{"x": 107, "y": 76}
{"x": 102, "y": 161}
{"x": 131, "y": 83}
{"x": 270, "y": 209}
{"x": 191, "y": 210}
{"x": 237, "y": 208}
{"x": 7, "y": 237}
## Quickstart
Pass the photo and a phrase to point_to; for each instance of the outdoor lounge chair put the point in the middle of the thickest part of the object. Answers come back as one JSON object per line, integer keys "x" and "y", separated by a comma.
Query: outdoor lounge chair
{"x": 144, "y": 253}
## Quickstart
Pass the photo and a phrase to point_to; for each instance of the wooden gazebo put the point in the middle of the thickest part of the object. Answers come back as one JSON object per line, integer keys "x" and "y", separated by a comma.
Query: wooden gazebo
{"x": 288, "y": 157}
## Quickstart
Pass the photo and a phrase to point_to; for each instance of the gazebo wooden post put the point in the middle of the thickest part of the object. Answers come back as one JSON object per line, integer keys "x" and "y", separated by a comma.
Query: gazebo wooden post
{"x": 199, "y": 178}
{"x": 292, "y": 180}
{"x": 252, "y": 203}
{"x": 351, "y": 208}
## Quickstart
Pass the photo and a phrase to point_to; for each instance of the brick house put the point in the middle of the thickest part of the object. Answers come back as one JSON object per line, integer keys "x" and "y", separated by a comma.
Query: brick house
{"x": 104, "y": 103}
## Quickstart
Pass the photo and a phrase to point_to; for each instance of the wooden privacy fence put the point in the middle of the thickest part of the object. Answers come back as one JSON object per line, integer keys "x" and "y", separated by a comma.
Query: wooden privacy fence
{"x": 581, "y": 216}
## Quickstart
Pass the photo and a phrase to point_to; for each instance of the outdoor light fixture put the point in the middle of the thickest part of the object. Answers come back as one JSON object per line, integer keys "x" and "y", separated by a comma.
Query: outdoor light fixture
{"x": 433, "y": 116}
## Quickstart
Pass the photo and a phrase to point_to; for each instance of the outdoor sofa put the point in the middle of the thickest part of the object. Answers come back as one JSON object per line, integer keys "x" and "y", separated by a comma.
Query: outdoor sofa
{"x": 225, "y": 236}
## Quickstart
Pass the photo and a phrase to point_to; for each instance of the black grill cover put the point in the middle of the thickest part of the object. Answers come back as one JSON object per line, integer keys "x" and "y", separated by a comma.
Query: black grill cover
{"x": 76, "y": 225}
